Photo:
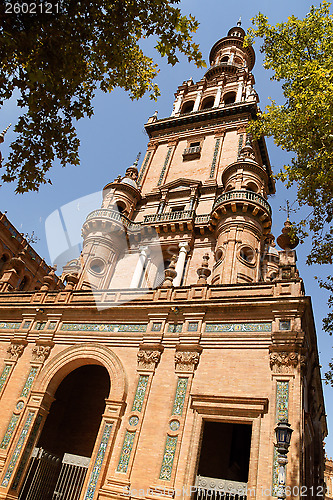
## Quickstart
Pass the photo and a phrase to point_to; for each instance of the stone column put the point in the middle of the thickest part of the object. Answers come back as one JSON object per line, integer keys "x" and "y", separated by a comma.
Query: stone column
{"x": 139, "y": 268}
{"x": 197, "y": 101}
{"x": 218, "y": 97}
{"x": 177, "y": 103}
{"x": 183, "y": 249}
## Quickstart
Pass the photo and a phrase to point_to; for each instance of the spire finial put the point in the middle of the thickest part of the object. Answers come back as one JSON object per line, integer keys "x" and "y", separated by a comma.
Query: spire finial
{"x": 137, "y": 159}
{"x": 288, "y": 209}
{"x": 239, "y": 22}
{"x": 2, "y": 136}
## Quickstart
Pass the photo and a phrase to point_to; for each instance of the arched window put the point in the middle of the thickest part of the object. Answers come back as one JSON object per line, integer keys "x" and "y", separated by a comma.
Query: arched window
{"x": 229, "y": 98}
{"x": 252, "y": 187}
{"x": 207, "y": 103}
{"x": 187, "y": 107}
{"x": 224, "y": 59}
{"x": 121, "y": 207}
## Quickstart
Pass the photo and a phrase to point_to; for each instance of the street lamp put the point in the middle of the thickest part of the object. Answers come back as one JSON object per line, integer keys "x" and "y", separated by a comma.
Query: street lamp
{"x": 283, "y": 433}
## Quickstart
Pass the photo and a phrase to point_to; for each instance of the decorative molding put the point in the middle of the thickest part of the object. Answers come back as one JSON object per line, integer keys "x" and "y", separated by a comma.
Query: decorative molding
{"x": 187, "y": 357}
{"x": 166, "y": 161}
{"x": 216, "y": 150}
{"x": 41, "y": 352}
{"x": 281, "y": 412}
{"x": 144, "y": 166}
{"x": 15, "y": 349}
{"x": 9, "y": 431}
{"x": 283, "y": 361}
{"x": 149, "y": 356}
{"x": 9, "y": 325}
{"x": 3, "y": 377}
{"x": 28, "y": 384}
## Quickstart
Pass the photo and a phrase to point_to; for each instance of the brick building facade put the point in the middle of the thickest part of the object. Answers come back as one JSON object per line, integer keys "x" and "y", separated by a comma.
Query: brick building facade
{"x": 169, "y": 350}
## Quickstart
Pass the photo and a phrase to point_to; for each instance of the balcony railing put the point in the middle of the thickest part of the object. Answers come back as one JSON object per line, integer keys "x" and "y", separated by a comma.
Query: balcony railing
{"x": 169, "y": 217}
{"x": 208, "y": 488}
{"x": 193, "y": 150}
{"x": 243, "y": 195}
{"x": 114, "y": 215}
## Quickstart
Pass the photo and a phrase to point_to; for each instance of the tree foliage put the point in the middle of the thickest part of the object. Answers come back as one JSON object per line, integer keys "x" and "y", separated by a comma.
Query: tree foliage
{"x": 299, "y": 52}
{"x": 57, "y": 60}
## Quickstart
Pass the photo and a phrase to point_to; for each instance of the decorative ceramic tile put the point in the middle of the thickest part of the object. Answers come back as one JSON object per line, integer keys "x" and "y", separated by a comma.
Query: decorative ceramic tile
{"x": 40, "y": 325}
{"x": 175, "y": 327}
{"x": 133, "y": 420}
{"x": 174, "y": 425}
{"x": 26, "y": 324}
{"x": 238, "y": 327}
{"x": 29, "y": 382}
{"x": 156, "y": 327}
{"x": 216, "y": 150}
{"x": 27, "y": 452}
{"x": 168, "y": 457}
{"x": 126, "y": 451}
{"x": 4, "y": 375}
{"x": 166, "y": 161}
{"x": 17, "y": 449}
{"x": 281, "y": 412}
{"x": 143, "y": 168}
{"x": 192, "y": 326}
{"x": 178, "y": 404}
{"x": 282, "y": 396}
{"x": 9, "y": 432}
{"x": 9, "y": 325}
{"x": 103, "y": 327}
{"x": 140, "y": 393}
{"x": 52, "y": 325}
{"x": 19, "y": 405}
{"x": 284, "y": 325}
{"x": 98, "y": 463}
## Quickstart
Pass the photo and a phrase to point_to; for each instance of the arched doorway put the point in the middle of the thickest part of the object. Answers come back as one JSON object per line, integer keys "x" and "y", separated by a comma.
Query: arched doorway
{"x": 60, "y": 460}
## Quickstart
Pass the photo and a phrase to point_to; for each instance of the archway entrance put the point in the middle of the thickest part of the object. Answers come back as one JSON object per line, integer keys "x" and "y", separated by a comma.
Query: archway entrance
{"x": 60, "y": 460}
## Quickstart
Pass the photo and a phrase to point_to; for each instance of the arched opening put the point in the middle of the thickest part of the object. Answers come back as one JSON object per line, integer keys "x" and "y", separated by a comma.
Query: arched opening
{"x": 63, "y": 451}
{"x": 23, "y": 283}
{"x": 252, "y": 187}
{"x": 121, "y": 207}
{"x": 207, "y": 103}
{"x": 224, "y": 59}
{"x": 229, "y": 98}
{"x": 187, "y": 107}
{"x": 3, "y": 261}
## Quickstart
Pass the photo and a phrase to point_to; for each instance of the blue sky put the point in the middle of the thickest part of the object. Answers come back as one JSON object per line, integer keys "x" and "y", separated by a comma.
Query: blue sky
{"x": 111, "y": 139}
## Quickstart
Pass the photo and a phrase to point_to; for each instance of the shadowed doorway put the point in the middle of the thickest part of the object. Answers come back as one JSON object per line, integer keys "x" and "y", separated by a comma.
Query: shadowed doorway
{"x": 61, "y": 458}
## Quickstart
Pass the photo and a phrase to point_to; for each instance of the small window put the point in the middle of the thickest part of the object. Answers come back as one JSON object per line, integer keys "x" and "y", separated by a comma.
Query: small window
{"x": 179, "y": 208}
{"x": 187, "y": 107}
{"x": 207, "y": 103}
{"x": 229, "y": 98}
{"x": 247, "y": 254}
{"x": 120, "y": 206}
{"x": 224, "y": 59}
{"x": 194, "y": 144}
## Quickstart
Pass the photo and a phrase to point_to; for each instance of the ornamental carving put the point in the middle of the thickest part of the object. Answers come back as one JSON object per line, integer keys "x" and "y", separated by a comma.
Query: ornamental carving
{"x": 40, "y": 353}
{"x": 15, "y": 351}
{"x": 283, "y": 362}
{"x": 148, "y": 357}
{"x": 186, "y": 360}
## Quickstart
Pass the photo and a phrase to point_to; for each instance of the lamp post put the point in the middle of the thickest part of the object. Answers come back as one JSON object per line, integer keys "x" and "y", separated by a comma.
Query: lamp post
{"x": 283, "y": 433}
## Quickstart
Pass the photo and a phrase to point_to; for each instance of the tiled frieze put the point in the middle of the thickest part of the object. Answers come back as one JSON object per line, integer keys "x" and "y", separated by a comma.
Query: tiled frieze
{"x": 98, "y": 462}
{"x": 175, "y": 327}
{"x": 103, "y": 327}
{"x": 168, "y": 457}
{"x": 18, "y": 449}
{"x": 9, "y": 325}
{"x": 27, "y": 452}
{"x": 215, "y": 154}
{"x": 4, "y": 375}
{"x": 238, "y": 327}
{"x": 18, "y": 408}
{"x": 281, "y": 412}
{"x": 143, "y": 168}
{"x": 140, "y": 393}
{"x": 166, "y": 161}
{"x": 180, "y": 395}
{"x": 126, "y": 451}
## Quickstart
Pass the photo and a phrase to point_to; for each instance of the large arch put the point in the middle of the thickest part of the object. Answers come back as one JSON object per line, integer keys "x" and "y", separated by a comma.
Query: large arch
{"x": 58, "y": 367}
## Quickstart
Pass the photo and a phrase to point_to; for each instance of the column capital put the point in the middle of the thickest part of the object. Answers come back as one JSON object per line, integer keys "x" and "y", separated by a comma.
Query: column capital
{"x": 183, "y": 246}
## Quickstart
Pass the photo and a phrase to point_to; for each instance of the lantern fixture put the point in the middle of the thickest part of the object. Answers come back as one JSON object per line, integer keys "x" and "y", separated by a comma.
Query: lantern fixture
{"x": 283, "y": 433}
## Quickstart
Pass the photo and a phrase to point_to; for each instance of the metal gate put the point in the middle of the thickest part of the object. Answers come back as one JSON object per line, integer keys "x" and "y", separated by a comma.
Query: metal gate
{"x": 50, "y": 478}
